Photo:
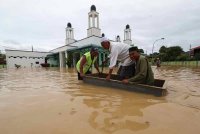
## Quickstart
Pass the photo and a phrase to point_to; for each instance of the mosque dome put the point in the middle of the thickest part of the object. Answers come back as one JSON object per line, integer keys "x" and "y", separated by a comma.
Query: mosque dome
{"x": 69, "y": 25}
{"x": 93, "y": 8}
{"x": 103, "y": 35}
{"x": 118, "y": 36}
{"x": 127, "y": 26}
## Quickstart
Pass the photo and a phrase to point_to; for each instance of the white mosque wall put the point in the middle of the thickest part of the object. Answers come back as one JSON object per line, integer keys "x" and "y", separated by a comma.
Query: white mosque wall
{"x": 61, "y": 49}
{"x": 95, "y": 40}
{"x": 25, "y": 58}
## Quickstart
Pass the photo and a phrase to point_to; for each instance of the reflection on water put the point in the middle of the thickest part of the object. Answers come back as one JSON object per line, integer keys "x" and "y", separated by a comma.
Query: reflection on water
{"x": 111, "y": 110}
{"x": 54, "y": 101}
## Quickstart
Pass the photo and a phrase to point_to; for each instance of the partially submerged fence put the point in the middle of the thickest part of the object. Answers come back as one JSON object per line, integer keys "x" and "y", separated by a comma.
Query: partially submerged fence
{"x": 182, "y": 63}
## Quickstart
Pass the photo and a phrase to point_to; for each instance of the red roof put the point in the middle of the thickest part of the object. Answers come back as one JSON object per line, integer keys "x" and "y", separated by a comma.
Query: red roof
{"x": 198, "y": 47}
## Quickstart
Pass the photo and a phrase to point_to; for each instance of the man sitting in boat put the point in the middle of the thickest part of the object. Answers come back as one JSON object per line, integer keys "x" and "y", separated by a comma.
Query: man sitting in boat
{"x": 119, "y": 52}
{"x": 143, "y": 73}
{"x": 86, "y": 61}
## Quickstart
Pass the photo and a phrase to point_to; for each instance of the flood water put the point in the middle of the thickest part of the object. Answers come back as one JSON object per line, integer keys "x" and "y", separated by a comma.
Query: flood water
{"x": 53, "y": 101}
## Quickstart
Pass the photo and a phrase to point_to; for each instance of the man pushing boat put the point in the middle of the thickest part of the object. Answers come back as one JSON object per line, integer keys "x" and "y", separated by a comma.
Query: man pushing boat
{"x": 119, "y": 52}
{"x": 86, "y": 61}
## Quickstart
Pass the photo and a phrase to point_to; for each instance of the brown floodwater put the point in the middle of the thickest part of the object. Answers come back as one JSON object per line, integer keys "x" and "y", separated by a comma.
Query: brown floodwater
{"x": 53, "y": 101}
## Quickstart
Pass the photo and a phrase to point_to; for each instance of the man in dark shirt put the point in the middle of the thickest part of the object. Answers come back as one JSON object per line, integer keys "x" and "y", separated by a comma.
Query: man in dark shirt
{"x": 143, "y": 73}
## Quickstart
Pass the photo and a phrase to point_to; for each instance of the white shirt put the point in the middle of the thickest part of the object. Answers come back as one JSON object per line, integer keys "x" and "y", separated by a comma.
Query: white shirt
{"x": 119, "y": 52}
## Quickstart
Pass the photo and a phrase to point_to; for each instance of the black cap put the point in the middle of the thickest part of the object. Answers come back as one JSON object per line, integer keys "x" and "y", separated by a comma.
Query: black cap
{"x": 94, "y": 49}
{"x": 133, "y": 49}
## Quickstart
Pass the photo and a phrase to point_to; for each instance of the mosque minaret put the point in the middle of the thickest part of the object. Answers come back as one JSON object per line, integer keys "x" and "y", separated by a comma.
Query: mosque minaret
{"x": 127, "y": 35}
{"x": 93, "y": 23}
{"x": 118, "y": 38}
{"x": 69, "y": 34}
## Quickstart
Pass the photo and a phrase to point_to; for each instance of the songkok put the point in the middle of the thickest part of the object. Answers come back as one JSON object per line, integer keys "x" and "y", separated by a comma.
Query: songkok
{"x": 133, "y": 49}
{"x": 104, "y": 39}
{"x": 94, "y": 49}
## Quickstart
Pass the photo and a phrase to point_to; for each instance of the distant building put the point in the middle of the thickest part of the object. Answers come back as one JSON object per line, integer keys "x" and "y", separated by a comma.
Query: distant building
{"x": 194, "y": 51}
{"x": 24, "y": 58}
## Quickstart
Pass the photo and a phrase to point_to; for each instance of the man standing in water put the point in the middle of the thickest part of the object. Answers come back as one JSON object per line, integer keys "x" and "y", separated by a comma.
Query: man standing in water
{"x": 86, "y": 61}
{"x": 119, "y": 52}
{"x": 143, "y": 73}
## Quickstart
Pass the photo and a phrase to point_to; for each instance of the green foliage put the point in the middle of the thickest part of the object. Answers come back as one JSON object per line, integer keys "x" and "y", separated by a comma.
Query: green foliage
{"x": 197, "y": 56}
{"x": 183, "y": 57}
{"x": 2, "y": 58}
{"x": 141, "y": 50}
{"x": 172, "y": 53}
{"x": 163, "y": 49}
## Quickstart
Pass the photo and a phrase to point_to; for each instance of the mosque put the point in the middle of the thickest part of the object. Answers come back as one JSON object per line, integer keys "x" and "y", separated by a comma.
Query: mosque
{"x": 69, "y": 54}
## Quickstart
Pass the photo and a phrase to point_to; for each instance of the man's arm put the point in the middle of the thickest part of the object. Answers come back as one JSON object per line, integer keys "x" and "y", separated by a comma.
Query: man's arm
{"x": 96, "y": 66}
{"x": 113, "y": 61}
{"x": 83, "y": 61}
{"x": 105, "y": 61}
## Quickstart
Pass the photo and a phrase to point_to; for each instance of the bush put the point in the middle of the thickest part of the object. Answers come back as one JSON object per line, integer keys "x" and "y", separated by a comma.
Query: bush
{"x": 197, "y": 56}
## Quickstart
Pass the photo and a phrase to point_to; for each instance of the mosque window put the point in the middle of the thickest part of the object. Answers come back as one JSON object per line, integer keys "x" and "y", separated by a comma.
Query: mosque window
{"x": 37, "y": 62}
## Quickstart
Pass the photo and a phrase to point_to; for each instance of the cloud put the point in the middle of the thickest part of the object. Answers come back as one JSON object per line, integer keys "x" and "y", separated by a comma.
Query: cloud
{"x": 42, "y": 23}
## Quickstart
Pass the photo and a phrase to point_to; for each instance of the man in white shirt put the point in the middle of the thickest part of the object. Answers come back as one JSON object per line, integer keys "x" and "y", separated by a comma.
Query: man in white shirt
{"x": 119, "y": 52}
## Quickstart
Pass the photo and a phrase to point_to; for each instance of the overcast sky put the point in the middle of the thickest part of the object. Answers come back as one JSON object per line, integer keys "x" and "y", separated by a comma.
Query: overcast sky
{"x": 42, "y": 23}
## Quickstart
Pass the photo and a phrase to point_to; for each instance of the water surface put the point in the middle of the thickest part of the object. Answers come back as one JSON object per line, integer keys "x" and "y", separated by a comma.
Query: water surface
{"x": 53, "y": 101}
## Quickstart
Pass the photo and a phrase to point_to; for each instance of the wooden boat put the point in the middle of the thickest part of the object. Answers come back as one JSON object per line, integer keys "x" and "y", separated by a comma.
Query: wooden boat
{"x": 45, "y": 64}
{"x": 99, "y": 79}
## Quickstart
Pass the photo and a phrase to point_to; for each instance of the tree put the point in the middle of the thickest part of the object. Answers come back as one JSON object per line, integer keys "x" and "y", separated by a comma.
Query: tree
{"x": 163, "y": 49}
{"x": 173, "y": 52}
{"x": 2, "y": 58}
{"x": 141, "y": 50}
{"x": 183, "y": 57}
{"x": 197, "y": 56}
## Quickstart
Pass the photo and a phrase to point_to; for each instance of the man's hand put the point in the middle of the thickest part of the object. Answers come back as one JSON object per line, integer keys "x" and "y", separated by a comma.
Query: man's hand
{"x": 125, "y": 81}
{"x": 108, "y": 77}
{"x": 104, "y": 62}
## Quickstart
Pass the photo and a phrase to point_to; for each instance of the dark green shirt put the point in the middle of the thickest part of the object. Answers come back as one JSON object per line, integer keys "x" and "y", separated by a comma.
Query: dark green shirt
{"x": 143, "y": 72}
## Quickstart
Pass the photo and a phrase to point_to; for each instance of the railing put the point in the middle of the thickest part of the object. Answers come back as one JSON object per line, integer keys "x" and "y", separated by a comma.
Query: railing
{"x": 182, "y": 63}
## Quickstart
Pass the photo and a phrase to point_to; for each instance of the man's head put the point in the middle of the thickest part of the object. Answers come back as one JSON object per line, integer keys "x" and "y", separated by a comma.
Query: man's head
{"x": 94, "y": 51}
{"x": 105, "y": 43}
{"x": 134, "y": 53}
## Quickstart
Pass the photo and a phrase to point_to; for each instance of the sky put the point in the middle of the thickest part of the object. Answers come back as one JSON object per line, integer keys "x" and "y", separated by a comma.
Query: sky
{"x": 42, "y": 23}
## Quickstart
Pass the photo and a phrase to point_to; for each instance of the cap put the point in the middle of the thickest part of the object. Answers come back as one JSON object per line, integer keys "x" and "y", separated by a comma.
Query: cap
{"x": 133, "y": 49}
{"x": 104, "y": 39}
{"x": 94, "y": 49}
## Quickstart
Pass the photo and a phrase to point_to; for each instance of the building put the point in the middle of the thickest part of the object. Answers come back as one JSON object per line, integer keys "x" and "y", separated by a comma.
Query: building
{"x": 69, "y": 54}
{"x": 23, "y": 59}
{"x": 195, "y": 51}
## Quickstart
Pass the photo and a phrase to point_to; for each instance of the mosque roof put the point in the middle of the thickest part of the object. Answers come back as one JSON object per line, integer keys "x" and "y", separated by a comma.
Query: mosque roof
{"x": 69, "y": 25}
{"x": 93, "y": 8}
{"x": 127, "y": 26}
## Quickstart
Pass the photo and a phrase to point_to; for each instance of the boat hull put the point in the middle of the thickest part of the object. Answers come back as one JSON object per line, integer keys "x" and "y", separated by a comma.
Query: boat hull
{"x": 156, "y": 90}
